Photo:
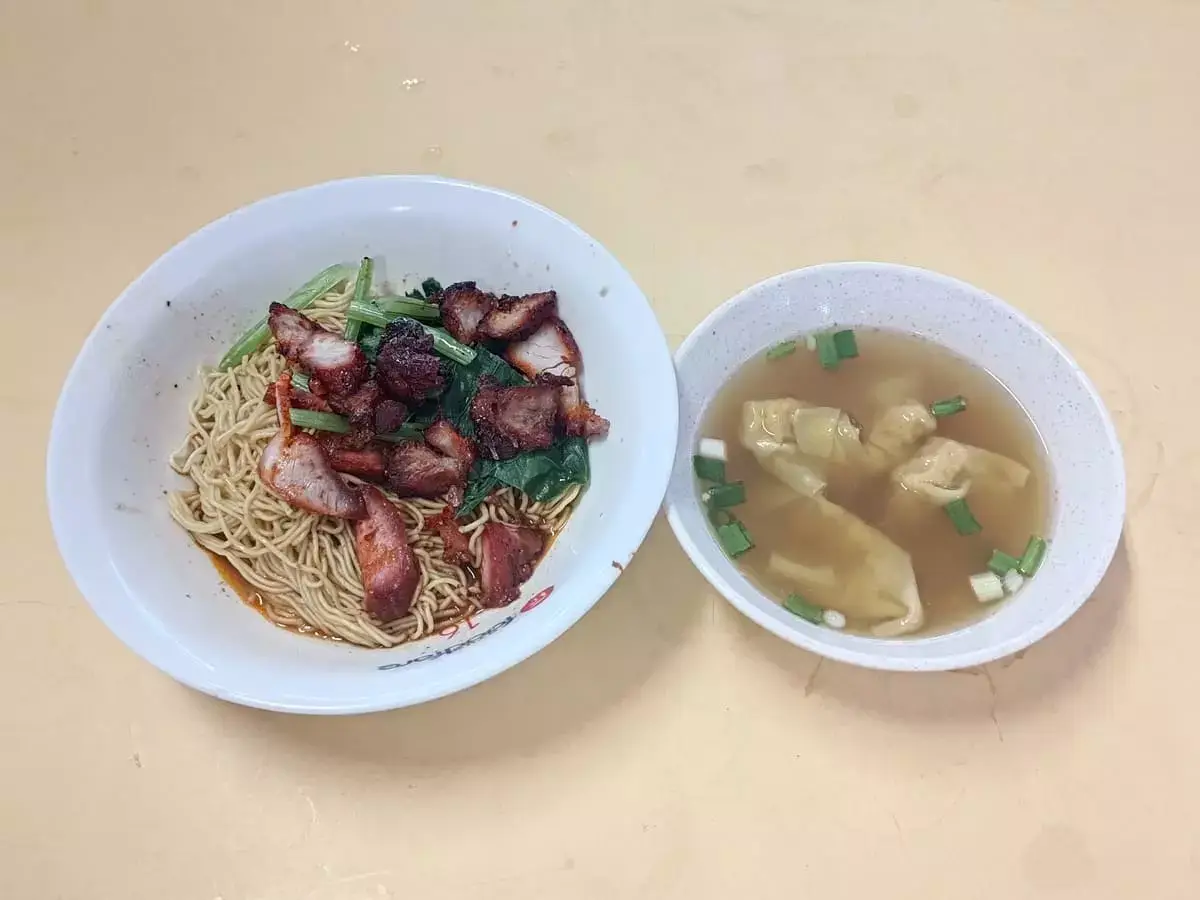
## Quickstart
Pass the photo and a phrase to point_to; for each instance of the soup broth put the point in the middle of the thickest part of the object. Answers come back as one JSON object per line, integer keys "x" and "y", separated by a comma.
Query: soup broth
{"x": 891, "y": 367}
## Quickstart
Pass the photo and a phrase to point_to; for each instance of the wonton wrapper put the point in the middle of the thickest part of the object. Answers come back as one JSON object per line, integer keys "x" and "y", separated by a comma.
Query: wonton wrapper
{"x": 855, "y": 568}
{"x": 800, "y": 444}
{"x": 945, "y": 470}
{"x": 796, "y": 442}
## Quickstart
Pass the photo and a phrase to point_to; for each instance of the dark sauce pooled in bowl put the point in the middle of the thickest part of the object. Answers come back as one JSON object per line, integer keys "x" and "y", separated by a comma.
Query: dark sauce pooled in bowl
{"x": 815, "y": 564}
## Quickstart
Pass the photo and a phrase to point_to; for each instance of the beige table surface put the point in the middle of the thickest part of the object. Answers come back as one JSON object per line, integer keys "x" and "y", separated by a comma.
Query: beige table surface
{"x": 664, "y": 747}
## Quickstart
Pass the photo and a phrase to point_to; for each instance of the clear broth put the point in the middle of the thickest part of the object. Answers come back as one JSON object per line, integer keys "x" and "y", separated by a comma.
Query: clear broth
{"x": 943, "y": 560}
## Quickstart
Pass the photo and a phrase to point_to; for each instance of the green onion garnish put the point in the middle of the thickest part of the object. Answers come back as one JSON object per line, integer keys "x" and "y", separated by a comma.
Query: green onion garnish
{"x": 317, "y": 286}
{"x": 722, "y": 496}
{"x": 362, "y": 292}
{"x": 798, "y": 606}
{"x": 782, "y": 349}
{"x": 734, "y": 538}
{"x": 846, "y": 344}
{"x": 1031, "y": 559}
{"x": 1002, "y": 563}
{"x": 949, "y": 406}
{"x": 719, "y": 516}
{"x": 960, "y": 515}
{"x": 709, "y": 469}
{"x": 300, "y": 381}
{"x": 827, "y": 351}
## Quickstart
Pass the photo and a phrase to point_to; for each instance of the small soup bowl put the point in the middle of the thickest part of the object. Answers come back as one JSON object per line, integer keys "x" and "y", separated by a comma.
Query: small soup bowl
{"x": 1083, "y": 455}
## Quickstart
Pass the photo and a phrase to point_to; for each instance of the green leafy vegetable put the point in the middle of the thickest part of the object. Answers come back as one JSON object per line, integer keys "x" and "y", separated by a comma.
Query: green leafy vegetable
{"x": 541, "y": 474}
{"x": 432, "y": 288}
{"x": 317, "y": 286}
{"x": 362, "y": 294}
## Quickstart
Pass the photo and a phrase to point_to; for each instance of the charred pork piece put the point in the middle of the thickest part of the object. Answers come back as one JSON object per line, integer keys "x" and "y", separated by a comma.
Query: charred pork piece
{"x": 390, "y": 573}
{"x": 407, "y": 367}
{"x": 438, "y": 467}
{"x": 513, "y": 318}
{"x": 551, "y": 352}
{"x": 510, "y": 553}
{"x": 294, "y": 466}
{"x": 340, "y": 364}
{"x": 464, "y": 307}
{"x": 298, "y": 398}
{"x": 509, "y": 420}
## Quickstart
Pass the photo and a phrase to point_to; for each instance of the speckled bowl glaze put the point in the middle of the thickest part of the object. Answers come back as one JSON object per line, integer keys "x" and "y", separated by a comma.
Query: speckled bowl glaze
{"x": 1084, "y": 455}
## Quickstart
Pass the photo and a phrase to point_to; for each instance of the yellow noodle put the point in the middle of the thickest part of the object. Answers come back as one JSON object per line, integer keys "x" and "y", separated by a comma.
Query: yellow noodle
{"x": 302, "y": 568}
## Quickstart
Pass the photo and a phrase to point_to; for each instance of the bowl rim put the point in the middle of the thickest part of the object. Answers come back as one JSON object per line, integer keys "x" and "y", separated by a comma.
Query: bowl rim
{"x": 966, "y": 659}
{"x": 657, "y": 478}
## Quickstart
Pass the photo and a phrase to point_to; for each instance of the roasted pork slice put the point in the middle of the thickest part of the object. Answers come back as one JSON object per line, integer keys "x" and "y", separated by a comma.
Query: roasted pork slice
{"x": 389, "y": 415}
{"x": 299, "y": 399}
{"x": 464, "y": 307}
{"x": 457, "y": 545}
{"x": 550, "y": 353}
{"x": 509, "y": 556}
{"x": 442, "y": 437}
{"x": 437, "y": 467}
{"x": 339, "y": 364}
{"x": 369, "y": 463}
{"x": 407, "y": 367}
{"x": 359, "y": 405}
{"x": 294, "y": 466}
{"x": 513, "y": 318}
{"x": 509, "y": 420}
{"x": 390, "y": 574}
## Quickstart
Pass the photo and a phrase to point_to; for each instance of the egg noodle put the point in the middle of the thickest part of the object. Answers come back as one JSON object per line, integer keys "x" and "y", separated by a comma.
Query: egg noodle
{"x": 301, "y": 569}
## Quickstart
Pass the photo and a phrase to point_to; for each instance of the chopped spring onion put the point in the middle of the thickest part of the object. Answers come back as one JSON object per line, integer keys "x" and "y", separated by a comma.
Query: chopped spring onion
{"x": 1031, "y": 559}
{"x": 719, "y": 516}
{"x": 362, "y": 292}
{"x": 405, "y": 306}
{"x": 709, "y": 469}
{"x": 949, "y": 406}
{"x": 798, "y": 606}
{"x": 834, "y": 619}
{"x": 1002, "y": 563}
{"x": 846, "y": 344}
{"x": 300, "y": 381}
{"x": 960, "y": 515}
{"x": 827, "y": 351}
{"x": 722, "y": 496}
{"x": 734, "y": 538}
{"x": 1013, "y": 581}
{"x": 810, "y": 341}
{"x": 332, "y": 422}
{"x": 782, "y": 349}
{"x": 987, "y": 587}
{"x": 713, "y": 448}
{"x": 317, "y": 286}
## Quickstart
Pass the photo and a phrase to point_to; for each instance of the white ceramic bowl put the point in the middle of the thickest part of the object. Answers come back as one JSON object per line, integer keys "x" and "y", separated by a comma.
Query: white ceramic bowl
{"x": 123, "y": 411}
{"x": 1087, "y": 473}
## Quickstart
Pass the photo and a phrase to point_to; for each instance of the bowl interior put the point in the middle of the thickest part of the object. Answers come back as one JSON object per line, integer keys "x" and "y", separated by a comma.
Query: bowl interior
{"x": 123, "y": 411}
{"x": 1084, "y": 456}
